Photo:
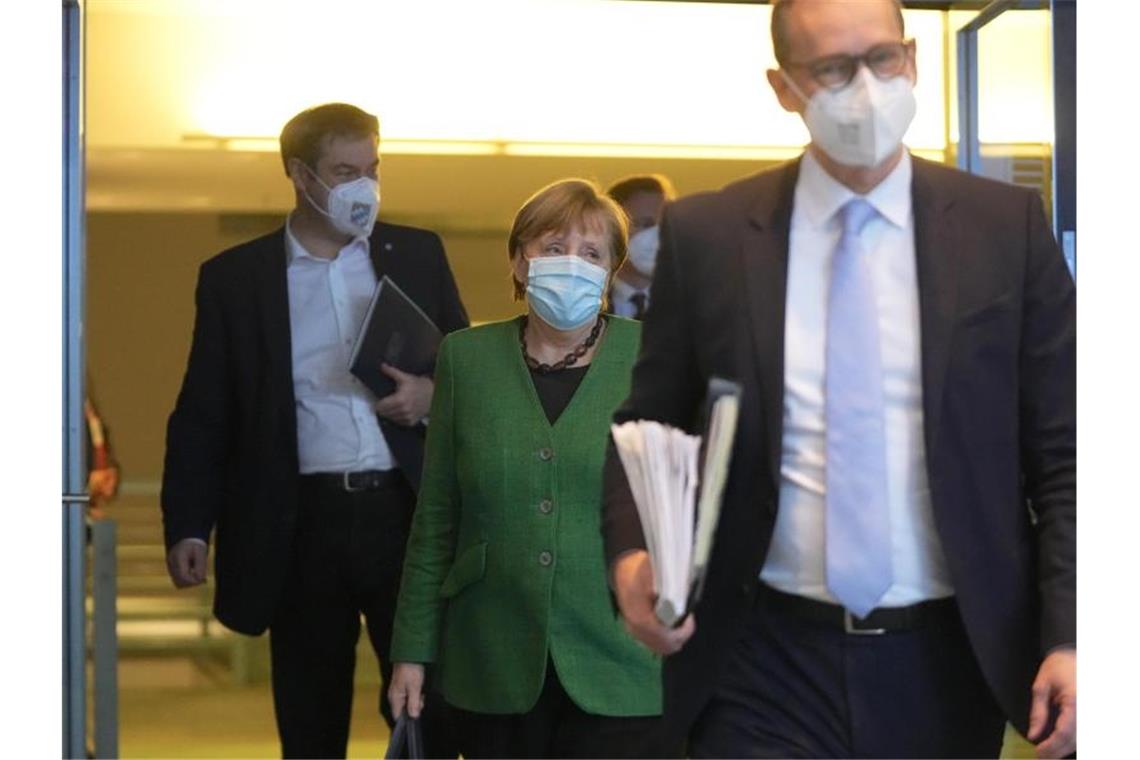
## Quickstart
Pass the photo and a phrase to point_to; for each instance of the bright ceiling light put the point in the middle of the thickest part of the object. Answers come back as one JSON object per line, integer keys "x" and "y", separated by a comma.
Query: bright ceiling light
{"x": 592, "y": 77}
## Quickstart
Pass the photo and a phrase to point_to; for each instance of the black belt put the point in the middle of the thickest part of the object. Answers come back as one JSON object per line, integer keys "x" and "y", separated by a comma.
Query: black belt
{"x": 881, "y": 620}
{"x": 365, "y": 480}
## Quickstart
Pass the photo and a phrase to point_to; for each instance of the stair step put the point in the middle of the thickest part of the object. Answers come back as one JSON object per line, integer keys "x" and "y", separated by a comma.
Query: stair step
{"x": 148, "y": 584}
{"x": 138, "y": 533}
{"x": 149, "y": 515}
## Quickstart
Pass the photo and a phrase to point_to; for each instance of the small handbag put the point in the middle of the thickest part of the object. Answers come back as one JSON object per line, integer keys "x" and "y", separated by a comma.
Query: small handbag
{"x": 406, "y": 741}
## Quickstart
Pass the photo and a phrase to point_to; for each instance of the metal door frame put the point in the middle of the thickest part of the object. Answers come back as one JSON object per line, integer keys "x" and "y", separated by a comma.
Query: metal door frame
{"x": 1064, "y": 24}
{"x": 74, "y": 450}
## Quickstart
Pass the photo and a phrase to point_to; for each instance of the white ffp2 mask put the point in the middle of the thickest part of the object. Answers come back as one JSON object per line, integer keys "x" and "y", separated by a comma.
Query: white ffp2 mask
{"x": 863, "y": 123}
{"x": 352, "y": 205}
{"x": 643, "y": 250}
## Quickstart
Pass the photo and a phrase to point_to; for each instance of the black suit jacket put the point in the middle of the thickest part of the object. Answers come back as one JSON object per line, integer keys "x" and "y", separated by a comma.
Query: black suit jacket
{"x": 997, "y": 308}
{"x": 231, "y": 443}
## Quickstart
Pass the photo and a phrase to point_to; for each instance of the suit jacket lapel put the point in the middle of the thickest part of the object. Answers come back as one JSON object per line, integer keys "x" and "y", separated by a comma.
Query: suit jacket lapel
{"x": 764, "y": 251}
{"x": 273, "y": 299}
{"x": 935, "y": 246}
{"x": 377, "y": 245}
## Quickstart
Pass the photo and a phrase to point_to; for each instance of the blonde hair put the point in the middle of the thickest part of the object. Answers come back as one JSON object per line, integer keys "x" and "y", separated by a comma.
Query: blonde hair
{"x": 564, "y": 205}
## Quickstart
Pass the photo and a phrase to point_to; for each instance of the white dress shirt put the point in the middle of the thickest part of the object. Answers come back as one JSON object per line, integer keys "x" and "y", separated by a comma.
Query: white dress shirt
{"x": 337, "y": 429}
{"x": 796, "y": 560}
{"x": 621, "y": 293}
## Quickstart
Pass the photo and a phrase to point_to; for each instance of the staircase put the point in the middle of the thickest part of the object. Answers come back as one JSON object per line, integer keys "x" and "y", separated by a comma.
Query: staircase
{"x": 155, "y": 618}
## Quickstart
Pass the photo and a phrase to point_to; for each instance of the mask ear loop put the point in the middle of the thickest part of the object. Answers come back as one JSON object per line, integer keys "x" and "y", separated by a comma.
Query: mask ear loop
{"x": 309, "y": 198}
{"x": 794, "y": 87}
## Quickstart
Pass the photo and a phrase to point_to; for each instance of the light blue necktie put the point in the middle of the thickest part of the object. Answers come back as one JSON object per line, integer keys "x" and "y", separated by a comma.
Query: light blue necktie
{"x": 858, "y": 539}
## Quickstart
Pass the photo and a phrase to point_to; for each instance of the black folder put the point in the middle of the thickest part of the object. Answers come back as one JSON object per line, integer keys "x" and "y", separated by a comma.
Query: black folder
{"x": 396, "y": 331}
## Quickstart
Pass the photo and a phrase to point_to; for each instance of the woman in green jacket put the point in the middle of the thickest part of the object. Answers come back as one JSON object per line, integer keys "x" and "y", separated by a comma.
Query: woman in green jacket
{"x": 504, "y": 585}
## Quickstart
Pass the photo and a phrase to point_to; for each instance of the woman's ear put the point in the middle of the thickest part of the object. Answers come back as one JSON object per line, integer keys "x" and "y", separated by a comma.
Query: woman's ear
{"x": 520, "y": 267}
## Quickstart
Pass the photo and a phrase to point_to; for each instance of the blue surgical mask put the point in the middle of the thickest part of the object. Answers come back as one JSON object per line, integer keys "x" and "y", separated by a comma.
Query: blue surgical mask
{"x": 565, "y": 291}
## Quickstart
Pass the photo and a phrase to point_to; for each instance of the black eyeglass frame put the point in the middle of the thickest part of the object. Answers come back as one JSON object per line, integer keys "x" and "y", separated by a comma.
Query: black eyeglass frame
{"x": 815, "y": 67}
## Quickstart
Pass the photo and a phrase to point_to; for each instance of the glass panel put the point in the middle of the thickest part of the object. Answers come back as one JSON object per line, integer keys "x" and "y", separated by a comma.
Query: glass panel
{"x": 1015, "y": 98}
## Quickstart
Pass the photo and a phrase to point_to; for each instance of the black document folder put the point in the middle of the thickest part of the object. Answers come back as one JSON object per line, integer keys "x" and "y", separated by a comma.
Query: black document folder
{"x": 397, "y": 332}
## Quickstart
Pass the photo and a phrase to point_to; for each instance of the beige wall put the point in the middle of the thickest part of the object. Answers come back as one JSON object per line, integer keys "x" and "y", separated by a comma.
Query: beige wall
{"x": 140, "y": 311}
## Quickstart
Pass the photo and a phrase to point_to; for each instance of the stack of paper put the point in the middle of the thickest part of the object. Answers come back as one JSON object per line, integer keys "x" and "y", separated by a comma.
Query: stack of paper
{"x": 662, "y": 464}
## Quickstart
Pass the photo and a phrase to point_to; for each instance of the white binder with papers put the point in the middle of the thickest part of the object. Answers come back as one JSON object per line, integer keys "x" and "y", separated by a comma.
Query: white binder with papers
{"x": 677, "y": 501}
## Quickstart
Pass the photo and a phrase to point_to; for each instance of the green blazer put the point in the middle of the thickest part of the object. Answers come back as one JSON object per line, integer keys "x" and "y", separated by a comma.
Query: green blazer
{"x": 504, "y": 565}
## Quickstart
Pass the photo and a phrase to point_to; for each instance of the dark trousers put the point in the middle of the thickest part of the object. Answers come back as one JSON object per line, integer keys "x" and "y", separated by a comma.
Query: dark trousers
{"x": 795, "y": 688}
{"x": 556, "y": 727}
{"x": 347, "y": 560}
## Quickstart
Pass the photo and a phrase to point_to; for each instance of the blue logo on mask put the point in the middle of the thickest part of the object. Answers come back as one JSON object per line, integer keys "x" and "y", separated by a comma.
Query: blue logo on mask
{"x": 361, "y": 214}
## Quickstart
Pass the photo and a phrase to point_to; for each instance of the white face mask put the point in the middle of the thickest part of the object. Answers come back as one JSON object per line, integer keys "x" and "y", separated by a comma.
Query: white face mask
{"x": 863, "y": 123}
{"x": 352, "y": 205}
{"x": 643, "y": 250}
{"x": 565, "y": 291}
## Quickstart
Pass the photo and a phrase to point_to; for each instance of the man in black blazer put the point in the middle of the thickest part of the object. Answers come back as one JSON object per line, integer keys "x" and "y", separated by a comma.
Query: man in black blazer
{"x": 972, "y": 399}
{"x": 305, "y": 479}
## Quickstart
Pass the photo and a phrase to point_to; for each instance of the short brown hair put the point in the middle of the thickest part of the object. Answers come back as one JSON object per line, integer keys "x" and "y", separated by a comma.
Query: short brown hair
{"x": 625, "y": 188}
{"x": 780, "y": 43}
{"x": 304, "y": 136}
{"x": 564, "y": 205}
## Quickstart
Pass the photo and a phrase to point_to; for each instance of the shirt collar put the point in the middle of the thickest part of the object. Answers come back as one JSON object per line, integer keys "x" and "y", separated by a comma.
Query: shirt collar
{"x": 820, "y": 196}
{"x": 294, "y": 250}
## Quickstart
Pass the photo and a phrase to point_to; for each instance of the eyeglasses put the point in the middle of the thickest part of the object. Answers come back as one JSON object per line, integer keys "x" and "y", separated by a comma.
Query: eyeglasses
{"x": 835, "y": 72}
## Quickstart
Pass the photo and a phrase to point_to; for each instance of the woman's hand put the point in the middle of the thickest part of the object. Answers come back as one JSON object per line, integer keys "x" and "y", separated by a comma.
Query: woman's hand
{"x": 406, "y": 689}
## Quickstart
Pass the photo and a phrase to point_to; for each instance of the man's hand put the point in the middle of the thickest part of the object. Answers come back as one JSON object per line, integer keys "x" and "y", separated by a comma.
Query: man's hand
{"x": 186, "y": 563}
{"x": 411, "y": 400}
{"x": 406, "y": 689}
{"x": 633, "y": 587}
{"x": 1055, "y": 688}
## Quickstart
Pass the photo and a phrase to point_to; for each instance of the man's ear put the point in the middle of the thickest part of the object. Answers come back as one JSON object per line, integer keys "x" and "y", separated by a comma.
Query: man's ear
{"x": 297, "y": 174}
{"x": 788, "y": 99}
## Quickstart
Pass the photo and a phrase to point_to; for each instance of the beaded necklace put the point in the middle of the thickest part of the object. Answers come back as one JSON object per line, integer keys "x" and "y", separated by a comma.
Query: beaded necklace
{"x": 566, "y": 361}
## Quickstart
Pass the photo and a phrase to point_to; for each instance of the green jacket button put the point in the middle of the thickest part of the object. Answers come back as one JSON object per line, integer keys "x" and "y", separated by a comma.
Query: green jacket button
{"x": 546, "y": 506}
{"x": 546, "y": 454}
{"x": 545, "y": 558}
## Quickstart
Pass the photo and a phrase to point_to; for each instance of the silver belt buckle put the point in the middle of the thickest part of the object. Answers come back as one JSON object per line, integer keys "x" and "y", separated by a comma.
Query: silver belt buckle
{"x": 849, "y": 626}
{"x": 348, "y": 484}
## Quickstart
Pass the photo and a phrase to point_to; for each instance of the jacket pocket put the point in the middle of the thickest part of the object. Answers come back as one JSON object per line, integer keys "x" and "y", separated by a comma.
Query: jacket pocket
{"x": 468, "y": 567}
{"x": 1000, "y": 305}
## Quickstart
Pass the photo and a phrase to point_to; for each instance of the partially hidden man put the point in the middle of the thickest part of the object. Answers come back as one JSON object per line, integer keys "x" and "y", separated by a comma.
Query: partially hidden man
{"x": 304, "y": 479}
{"x": 894, "y": 572}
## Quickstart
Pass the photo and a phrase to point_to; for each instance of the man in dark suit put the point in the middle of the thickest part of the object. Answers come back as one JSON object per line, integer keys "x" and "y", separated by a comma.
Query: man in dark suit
{"x": 306, "y": 480}
{"x": 642, "y": 197}
{"x": 894, "y": 570}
